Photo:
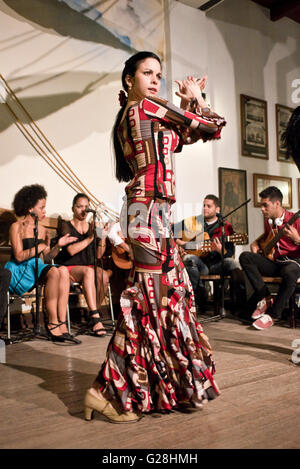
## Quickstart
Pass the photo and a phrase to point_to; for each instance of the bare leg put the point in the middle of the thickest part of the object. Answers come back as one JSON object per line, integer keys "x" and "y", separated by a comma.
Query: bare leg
{"x": 102, "y": 285}
{"x": 85, "y": 276}
{"x": 63, "y": 296}
{"x": 51, "y": 299}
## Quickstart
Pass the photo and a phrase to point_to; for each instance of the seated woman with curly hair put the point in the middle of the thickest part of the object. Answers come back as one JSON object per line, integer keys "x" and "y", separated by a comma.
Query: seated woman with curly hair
{"x": 30, "y": 203}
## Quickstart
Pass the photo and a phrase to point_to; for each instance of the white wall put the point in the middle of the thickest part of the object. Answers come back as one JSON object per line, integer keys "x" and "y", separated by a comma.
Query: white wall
{"x": 242, "y": 52}
{"x": 66, "y": 69}
{"x": 195, "y": 166}
{"x": 71, "y": 86}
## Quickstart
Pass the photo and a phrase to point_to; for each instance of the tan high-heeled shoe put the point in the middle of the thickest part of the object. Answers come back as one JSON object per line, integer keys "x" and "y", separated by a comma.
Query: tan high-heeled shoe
{"x": 105, "y": 407}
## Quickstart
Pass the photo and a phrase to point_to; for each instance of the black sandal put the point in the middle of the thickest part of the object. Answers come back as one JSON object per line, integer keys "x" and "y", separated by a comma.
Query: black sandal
{"x": 92, "y": 323}
{"x": 69, "y": 336}
{"x": 54, "y": 338}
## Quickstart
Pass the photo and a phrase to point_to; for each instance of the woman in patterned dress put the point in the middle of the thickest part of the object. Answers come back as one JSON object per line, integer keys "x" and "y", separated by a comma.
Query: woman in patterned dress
{"x": 158, "y": 357}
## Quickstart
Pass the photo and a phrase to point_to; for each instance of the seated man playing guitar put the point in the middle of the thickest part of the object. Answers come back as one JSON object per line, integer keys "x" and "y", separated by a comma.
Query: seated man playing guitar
{"x": 276, "y": 253}
{"x": 207, "y": 259}
{"x": 120, "y": 248}
{"x": 117, "y": 258}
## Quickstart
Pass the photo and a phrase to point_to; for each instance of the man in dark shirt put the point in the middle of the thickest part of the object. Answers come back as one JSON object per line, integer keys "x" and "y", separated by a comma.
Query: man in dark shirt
{"x": 211, "y": 262}
{"x": 285, "y": 263}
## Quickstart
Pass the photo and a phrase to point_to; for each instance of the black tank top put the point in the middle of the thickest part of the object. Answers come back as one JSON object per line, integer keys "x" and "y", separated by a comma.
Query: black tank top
{"x": 28, "y": 243}
{"x": 84, "y": 257}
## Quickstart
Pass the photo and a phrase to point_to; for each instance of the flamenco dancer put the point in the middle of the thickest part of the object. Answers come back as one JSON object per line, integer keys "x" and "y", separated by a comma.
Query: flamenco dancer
{"x": 158, "y": 357}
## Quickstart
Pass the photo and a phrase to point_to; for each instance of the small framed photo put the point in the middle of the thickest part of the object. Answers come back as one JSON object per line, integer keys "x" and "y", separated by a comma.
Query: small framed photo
{"x": 233, "y": 193}
{"x": 254, "y": 127}
{"x": 284, "y": 184}
{"x": 283, "y": 114}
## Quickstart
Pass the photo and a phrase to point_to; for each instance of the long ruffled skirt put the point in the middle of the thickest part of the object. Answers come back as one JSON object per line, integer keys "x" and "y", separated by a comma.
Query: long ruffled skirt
{"x": 158, "y": 356}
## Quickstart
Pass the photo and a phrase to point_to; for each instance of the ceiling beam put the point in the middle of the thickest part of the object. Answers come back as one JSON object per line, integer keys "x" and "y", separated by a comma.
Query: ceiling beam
{"x": 284, "y": 8}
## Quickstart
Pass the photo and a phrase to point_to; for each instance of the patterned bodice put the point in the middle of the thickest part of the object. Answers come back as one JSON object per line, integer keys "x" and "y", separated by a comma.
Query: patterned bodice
{"x": 150, "y": 133}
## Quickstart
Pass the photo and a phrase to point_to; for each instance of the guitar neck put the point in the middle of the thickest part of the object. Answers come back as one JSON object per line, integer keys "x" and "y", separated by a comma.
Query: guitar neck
{"x": 235, "y": 239}
{"x": 227, "y": 239}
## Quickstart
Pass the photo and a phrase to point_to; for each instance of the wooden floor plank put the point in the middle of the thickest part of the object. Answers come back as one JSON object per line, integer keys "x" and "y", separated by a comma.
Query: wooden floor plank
{"x": 42, "y": 386}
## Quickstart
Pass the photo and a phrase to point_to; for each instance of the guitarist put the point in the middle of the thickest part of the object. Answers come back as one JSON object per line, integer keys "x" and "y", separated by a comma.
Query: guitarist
{"x": 210, "y": 263}
{"x": 285, "y": 263}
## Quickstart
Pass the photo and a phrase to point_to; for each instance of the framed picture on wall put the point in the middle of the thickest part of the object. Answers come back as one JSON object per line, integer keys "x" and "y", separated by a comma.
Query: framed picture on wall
{"x": 232, "y": 193}
{"x": 254, "y": 127}
{"x": 284, "y": 184}
{"x": 283, "y": 114}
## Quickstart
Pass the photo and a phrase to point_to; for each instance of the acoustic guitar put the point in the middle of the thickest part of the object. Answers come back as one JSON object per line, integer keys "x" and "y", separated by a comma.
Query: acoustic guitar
{"x": 267, "y": 245}
{"x": 121, "y": 258}
{"x": 207, "y": 245}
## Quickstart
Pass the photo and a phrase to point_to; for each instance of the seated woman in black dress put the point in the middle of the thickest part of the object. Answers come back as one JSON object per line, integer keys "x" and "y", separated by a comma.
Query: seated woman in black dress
{"x": 78, "y": 257}
{"x": 30, "y": 204}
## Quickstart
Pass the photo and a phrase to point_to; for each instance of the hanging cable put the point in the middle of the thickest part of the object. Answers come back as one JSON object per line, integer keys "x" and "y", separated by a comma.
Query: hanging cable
{"x": 43, "y": 147}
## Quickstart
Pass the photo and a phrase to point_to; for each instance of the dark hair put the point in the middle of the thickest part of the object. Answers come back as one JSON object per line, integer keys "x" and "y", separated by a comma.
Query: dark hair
{"x": 214, "y": 198}
{"x": 122, "y": 170}
{"x": 272, "y": 193}
{"x": 27, "y": 197}
{"x": 291, "y": 137}
{"x": 80, "y": 195}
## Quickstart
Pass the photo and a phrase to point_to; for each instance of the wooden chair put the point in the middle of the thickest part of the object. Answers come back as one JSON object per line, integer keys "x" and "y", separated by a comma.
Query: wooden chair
{"x": 5, "y": 255}
{"x": 13, "y": 297}
{"x": 216, "y": 281}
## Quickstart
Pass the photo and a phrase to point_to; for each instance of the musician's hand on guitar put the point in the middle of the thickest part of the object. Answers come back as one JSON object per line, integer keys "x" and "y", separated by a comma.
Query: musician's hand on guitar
{"x": 105, "y": 230}
{"x": 292, "y": 233}
{"x": 181, "y": 251}
{"x": 180, "y": 242}
{"x": 216, "y": 245}
{"x": 254, "y": 247}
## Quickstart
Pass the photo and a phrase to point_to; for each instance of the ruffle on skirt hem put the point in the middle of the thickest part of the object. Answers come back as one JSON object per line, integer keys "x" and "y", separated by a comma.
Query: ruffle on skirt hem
{"x": 158, "y": 357}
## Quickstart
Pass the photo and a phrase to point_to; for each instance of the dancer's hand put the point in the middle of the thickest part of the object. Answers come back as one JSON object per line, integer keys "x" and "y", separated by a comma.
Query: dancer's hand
{"x": 201, "y": 82}
{"x": 191, "y": 89}
{"x": 188, "y": 89}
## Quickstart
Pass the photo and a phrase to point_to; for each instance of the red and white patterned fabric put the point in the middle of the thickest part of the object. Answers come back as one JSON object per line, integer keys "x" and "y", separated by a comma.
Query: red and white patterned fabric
{"x": 152, "y": 130}
{"x": 158, "y": 356}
